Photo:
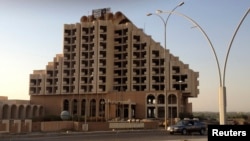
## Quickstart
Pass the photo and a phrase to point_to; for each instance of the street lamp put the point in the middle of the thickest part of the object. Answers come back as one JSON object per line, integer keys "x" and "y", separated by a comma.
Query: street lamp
{"x": 222, "y": 87}
{"x": 165, "y": 46}
{"x": 181, "y": 100}
{"x": 86, "y": 102}
{"x": 209, "y": 41}
{"x": 165, "y": 21}
{"x": 102, "y": 102}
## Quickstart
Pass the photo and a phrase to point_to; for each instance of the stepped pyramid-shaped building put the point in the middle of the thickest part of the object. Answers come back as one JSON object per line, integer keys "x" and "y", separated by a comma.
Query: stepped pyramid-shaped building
{"x": 111, "y": 69}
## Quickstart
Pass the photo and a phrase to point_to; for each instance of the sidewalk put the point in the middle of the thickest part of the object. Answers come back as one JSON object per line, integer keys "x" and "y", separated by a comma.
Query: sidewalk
{"x": 37, "y": 134}
{"x": 69, "y": 133}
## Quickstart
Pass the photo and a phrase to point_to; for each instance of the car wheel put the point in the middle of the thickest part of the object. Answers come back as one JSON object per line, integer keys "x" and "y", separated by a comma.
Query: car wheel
{"x": 184, "y": 131}
{"x": 202, "y": 131}
{"x": 171, "y": 133}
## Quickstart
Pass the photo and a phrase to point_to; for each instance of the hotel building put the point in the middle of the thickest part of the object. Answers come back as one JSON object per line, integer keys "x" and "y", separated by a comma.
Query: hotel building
{"x": 110, "y": 69}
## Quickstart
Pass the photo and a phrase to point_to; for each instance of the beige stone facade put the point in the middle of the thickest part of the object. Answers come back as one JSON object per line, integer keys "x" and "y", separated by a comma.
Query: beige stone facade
{"x": 110, "y": 69}
{"x": 19, "y": 109}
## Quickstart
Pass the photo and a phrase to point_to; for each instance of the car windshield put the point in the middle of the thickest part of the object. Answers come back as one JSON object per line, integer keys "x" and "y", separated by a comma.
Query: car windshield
{"x": 182, "y": 122}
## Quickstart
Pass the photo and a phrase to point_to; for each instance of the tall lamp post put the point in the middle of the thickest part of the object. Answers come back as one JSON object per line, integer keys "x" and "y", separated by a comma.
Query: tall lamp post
{"x": 165, "y": 46}
{"x": 86, "y": 103}
{"x": 222, "y": 87}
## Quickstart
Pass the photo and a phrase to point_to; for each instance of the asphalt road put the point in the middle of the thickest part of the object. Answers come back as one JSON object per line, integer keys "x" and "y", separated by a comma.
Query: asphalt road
{"x": 143, "y": 135}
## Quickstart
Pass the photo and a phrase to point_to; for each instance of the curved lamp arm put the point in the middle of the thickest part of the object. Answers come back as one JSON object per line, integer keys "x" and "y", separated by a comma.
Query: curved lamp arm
{"x": 206, "y": 36}
{"x": 230, "y": 44}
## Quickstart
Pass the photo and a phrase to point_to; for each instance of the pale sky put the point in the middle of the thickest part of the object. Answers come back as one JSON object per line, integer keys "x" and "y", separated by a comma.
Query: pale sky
{"x": 31, "y": 34}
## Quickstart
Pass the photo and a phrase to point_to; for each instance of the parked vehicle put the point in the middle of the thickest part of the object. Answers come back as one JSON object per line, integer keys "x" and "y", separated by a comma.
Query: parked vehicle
{"x": 188, "y": 126}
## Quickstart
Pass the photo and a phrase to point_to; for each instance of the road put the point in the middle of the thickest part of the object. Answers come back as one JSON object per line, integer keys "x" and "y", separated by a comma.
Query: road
{"x": 148, "y": 135}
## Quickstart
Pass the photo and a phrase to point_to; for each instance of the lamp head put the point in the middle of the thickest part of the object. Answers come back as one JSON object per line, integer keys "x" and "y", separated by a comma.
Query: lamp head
{"x": 149, "y": 14}
{"x": 159, "y": 11}
{"x": 181, "y": 4}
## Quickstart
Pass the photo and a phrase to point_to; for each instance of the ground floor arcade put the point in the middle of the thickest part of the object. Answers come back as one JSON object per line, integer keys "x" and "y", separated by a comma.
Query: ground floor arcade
{"x": 116, "y": 106}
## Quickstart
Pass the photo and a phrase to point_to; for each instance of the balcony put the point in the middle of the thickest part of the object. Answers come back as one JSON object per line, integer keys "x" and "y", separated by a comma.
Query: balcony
{"x": 65, "y": 83}
{"x": 83, "y": 41}
{"x": 66, "y": 34}
{"x": 65, "y": 42}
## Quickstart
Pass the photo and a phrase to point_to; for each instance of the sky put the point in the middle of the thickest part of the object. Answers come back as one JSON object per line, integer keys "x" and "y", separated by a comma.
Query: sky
{"x": 31, "y": 34}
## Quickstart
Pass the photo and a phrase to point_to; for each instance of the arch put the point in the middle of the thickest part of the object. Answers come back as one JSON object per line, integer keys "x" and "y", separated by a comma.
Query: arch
{"x": 87, "y": 18}
{"x": 74, "y": 107}
{"x": 13, "y": 111}
{"x": 102, "y": 108}
{"x": 110, "y": 16}
{"x": 92, "y": 108}
{"x": 40, "y": 111}
{"x": 5, "y": 113}
{"x": 21, "y": 112}
{"x": 172, "y": 106}
{"x": 28, "y": 111}
{"x": 124, "y": 21}
{"x": 34, "y": 111}
{"x": 151, "y": 109}
{"x": 65, "y": 105}
{"x": 172, "y": 99}
{"x": 120, "y": 18}
{"x": 84, "y": 19}
{"x": 83, "y": 106}
{"x": 150, "y": 99}
{"x": 118, "y": 14}
{"x": 161, "y": 99}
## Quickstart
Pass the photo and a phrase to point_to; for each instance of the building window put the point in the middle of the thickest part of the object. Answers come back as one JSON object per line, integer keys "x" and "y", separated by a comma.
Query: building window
{"x": 83, "y": 107}
{"x": 161, "y": 99}
{"x": 65, "y": 105}
{"x": 93, "y": 108}
{"x": 172, "y": 99}
{"x": 151, "y": 99}
{"x": 74, "y": 110}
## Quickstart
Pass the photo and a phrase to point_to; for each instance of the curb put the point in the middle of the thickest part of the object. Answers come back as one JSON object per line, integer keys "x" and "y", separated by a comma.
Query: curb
{"x": 41, "y": 134}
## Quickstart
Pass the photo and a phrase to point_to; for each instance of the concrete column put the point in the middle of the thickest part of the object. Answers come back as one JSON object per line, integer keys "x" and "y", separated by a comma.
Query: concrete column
{"x": 18, "y": 122}
{"x": 97, "y": 108}
{"x": 79, "y": 106}
{"x": 222, "y": 105}
{"x": 87, "y": 107}
{"x": 106, "y": 110}
{"x": 29, "y": 123}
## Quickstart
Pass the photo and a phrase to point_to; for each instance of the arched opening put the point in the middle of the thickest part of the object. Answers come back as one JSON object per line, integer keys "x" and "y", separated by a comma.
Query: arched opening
{"x": 102, "y": 108}
{"x": 34, "y": 111}
{"x": 74, "y": 107}
{"x": 65, "y": 105}
{"x": 151, "y": 110}
{"x": 41, "y": 111}
{"x": 161, "y": 99}
{"x": 161, "y": 108}
{"x": 172, "y": 106}
{"x": 83, "y": 107}
{"x": 172, "y": 99}
{"x": 28, "y": 111}
{"x": 13, "y": 114}
{"x": 21, "y": 113}
{"x": 5, "y": 114}
{"x": 150, "y": 99}
{"x": 92, "y": 108}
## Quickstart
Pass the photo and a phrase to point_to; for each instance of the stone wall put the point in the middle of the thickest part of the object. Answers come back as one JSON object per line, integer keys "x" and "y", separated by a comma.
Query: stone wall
{"x": 26, "y": 126}
{"x": 15, "y": 126}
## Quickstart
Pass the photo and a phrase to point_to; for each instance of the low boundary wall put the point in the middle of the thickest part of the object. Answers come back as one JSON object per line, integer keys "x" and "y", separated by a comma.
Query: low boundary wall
{"x": 26, "y": 126}
{"x": 15, "y": 126}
